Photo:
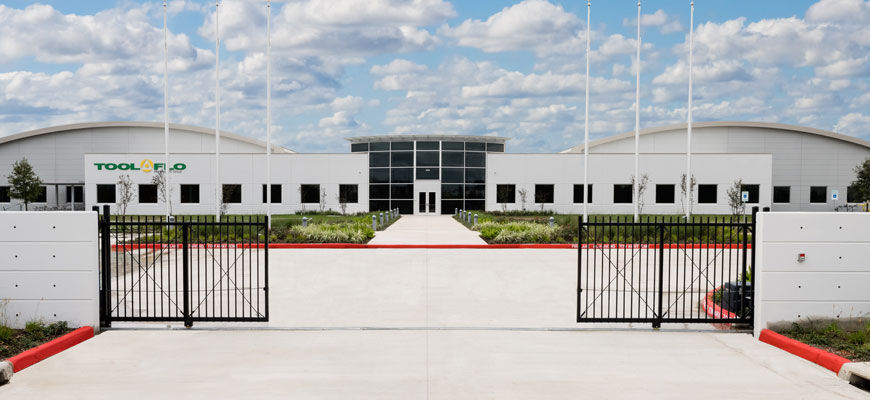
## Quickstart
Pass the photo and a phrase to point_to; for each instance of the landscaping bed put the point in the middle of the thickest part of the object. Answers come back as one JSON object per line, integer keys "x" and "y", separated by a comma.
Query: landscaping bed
{"x": 849, "y": 340}
{"x": 15, "y": 341}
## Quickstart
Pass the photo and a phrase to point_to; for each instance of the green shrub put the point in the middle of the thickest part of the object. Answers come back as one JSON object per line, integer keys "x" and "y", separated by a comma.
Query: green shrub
{"x": 516, "y": 232}
{"x": 345, "y": 232}
{"x": 35, "y": 329}
{"x": 5, "y": 333}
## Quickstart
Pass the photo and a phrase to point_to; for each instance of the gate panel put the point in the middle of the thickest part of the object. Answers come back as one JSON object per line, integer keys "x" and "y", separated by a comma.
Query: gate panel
{"x": 188, "y": 270}
{"x": 665, "y": 270}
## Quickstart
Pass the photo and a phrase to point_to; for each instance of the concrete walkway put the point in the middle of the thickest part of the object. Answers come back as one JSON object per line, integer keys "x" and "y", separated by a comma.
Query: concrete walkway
{"x": 421, "y": 364}
{"x": 426, "y": 229}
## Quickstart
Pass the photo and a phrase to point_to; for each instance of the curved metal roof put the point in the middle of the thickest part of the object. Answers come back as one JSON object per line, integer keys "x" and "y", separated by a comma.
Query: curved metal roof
{"x": 394, "y": 138}
{"x": 725, "y": 124}
{"x": 137, "y": 124}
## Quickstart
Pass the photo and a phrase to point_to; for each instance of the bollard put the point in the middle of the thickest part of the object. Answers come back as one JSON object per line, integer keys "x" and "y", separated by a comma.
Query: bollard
{"x": 552, "y": 221}
{"x": 387, "y": 216}
{"x": 468, "y": 217}
{"x": 374, "y": 223}
{"x": 382, "y": 219}
{"x": 475, "y": 219}
{"x": 304, "y": 221}
{"x": 455, "y": 211}
{"x": 462, "y": 214}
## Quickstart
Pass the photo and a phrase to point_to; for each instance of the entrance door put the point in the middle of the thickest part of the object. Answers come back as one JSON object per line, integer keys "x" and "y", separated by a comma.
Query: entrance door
{"x": 426, "y": 202}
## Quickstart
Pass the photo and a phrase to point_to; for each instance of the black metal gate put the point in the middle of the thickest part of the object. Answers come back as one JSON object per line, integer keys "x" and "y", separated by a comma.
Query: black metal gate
{"x": 665, "y": 269}
{"x": 186, "y": 270}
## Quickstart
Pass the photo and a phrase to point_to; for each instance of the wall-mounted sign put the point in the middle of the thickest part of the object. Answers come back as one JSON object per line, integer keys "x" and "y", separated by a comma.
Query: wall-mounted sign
{"x": 145, "y": 165}
{"x": 744, "y": 196}
{"x": 835, "y": 194}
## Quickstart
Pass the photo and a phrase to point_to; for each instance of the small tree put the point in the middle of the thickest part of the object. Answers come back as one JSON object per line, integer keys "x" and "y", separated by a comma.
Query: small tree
{"x": 342, "y": 203}
{"x": 524, "y": 194}
{"x": 691, "y": 190}
{"x": 125, "y": 189}
{"x": 322, "y": 202}
{"x": 859, "y": 189}
{"x": 226, "y": 192}
{"x": 642, "y": 183}
{"x": 164, "y": 193}
{"x": 735, "y": 198}
{"x": 24, "y": 184}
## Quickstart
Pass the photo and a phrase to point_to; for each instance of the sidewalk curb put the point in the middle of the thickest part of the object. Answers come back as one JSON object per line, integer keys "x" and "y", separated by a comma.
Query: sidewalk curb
{"x": 821, "y": 357}
{"x": 46, "y": 350}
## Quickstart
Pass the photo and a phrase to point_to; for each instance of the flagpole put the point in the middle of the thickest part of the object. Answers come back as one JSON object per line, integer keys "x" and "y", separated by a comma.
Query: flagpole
{"x": 586, "y": 122}
{"x": 689, "y": 115}
{"x": 636, "y": 182}
{"x": 217, "y": 128}
{"x": 269, "y": 113}
{"x": 166, "y": 191}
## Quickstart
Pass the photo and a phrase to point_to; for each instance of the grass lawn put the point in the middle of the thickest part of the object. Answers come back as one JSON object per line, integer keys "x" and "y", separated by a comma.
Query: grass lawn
{"x": 852, "y": 342}
{"x": 14, "y": 341}
{"x": 533, "y": 227}
{"x": 325, "y": 227}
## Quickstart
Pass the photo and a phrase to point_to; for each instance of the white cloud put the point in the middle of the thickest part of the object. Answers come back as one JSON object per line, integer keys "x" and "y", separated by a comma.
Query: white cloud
{"x": 839, "y": 11}
{"x": 660, "y": 19}
{"x": 853, "y": 124}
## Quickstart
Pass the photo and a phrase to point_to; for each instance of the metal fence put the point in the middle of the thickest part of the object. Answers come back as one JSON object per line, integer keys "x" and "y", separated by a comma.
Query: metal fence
{"x": 186, "y": 270}
{"x": 663, "y": 270}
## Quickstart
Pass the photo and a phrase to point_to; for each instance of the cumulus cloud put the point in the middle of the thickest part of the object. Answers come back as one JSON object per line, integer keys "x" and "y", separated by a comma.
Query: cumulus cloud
{"x": 660, "y": 19}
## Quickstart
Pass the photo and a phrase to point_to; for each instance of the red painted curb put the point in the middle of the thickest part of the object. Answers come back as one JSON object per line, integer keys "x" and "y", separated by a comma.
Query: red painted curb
{"x": 158, "y": 246}
{"x": 821, "y": 357}
{"x": 46, "y": 350}
{"x": 714, "y": 311}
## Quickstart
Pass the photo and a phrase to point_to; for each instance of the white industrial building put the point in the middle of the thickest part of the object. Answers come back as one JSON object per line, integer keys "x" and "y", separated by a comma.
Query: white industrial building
{"x": 784, "y": 167}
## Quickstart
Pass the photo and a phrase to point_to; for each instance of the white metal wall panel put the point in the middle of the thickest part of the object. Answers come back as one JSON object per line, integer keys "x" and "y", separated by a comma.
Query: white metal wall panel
{"x": 831, "y": 282}
{"x": 49, "y": 265}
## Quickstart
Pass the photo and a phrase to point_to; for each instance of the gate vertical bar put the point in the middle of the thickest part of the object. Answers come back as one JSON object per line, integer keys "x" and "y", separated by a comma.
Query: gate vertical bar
{"x": 580, "y": 221}
{"x": 185, "y": 260}
{"x": 106, "y": 244}
{"x": 751, "y": 289}
{"x": 265, "y": 267}
{"x": 659, "y": 316}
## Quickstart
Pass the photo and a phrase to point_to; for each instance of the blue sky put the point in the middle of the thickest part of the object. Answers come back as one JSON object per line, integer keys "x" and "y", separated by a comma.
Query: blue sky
{"x": 510, "y": 68}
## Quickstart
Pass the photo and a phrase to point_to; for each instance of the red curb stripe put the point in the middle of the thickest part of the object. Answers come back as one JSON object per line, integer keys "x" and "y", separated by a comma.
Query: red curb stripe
{"x": 821, "y": 357}
{"x": 158, "y": 246}
{"x": 46, "y": 350}
{"x": 714, "y": 311}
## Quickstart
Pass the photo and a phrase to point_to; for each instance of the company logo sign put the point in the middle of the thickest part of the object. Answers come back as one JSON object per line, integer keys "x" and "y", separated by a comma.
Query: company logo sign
{"x": 145, "y": 165}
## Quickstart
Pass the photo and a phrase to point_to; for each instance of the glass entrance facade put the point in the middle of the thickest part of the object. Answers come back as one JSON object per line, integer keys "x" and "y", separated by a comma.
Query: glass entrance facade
{"x": 458, "y": 162}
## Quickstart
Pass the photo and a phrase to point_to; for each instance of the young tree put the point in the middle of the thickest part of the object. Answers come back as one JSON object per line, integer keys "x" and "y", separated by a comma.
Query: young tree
{"x": 163, "y": 192}
{"x": 322, "y": 203}
{"x": 226, "y": 193}
{"x": 691, "y": 190}
{"x": 859, "y": 189}
{"x": 641, "y": 188}
{"x": 735, "y": 198}
{"x": 125, "y": 190}
{"x": 24, "y": 184}
{"x": 523, "y": 196}
{"x": 342, "y": 203}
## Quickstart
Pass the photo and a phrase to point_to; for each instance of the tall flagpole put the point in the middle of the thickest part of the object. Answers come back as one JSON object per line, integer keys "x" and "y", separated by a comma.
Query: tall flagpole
{"x": 269, "y": 113}
{"x": 689, "y": 115}
{"x": 217, "y": 98}
{"x": 586, "y": 124}
{"x": 166, "y": 191}
{"x": 636, "y": 182}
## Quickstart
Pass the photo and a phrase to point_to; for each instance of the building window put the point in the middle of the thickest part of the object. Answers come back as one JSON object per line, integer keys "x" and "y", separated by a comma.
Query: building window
{"x": 853, "y": 194}
{"x": 818, "y": 194}
{"x": 475, "y": 191}
{"x": 70, "y": 190}
{"x": 753, "y": 193}
{"x": 105, "y": 193}
{"x": 402, "y": 175}
{"x": 379, "y": 160}
{"x": 495, "y": 147}
{"x": 452, "y": 175}
{"x": 622, "y": 193}
{"x": 544, "y": 193}
{"x": 473, "y": 159}
{"x": 379, "y": 192}
{"x": 379, "y": 146}
{"x": 402, "y": 192}
{"x": 402, "y": 146}
{"x": 453, "y": 159}
{"x": 475, "y": 146}
{"x": 348, "y": 194}
{"x": 452, "y": 146}
{"x": 276, "y": 194}
{"x": 4, "y": 194}
{"x": 475, "y": 175}
{"x": 310, "y": 193}
{"x": 428, "y": 146}
{"x": 232, "y": 193}
{"x": 707, "y": 194}
{"x": 782, "y": 194}
{"x": 665, "y": 194}
{"x": 451, "y": 192}
{"x": 357, "y": 147}
{"x": 402, "y": 159}
{"x": 506, "y": 194}
{"x": 43, "y": 195}
{"x": 379, "y": 175}
{"x": 190, "y": 193}
{"x": 427, "y": 173}
{"x": 427, "y": 158}
{"x": 578, "y": 193}
{"x": 147, "y": 194}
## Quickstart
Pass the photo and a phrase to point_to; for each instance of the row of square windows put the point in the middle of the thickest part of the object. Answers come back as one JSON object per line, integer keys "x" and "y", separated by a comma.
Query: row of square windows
{"x": 447, "y": 175}
{"x": 232, "y": 193}
{"x": 427, "y": 145}
{"x": 428, "y": 159}
{"x": 664, "y": 194}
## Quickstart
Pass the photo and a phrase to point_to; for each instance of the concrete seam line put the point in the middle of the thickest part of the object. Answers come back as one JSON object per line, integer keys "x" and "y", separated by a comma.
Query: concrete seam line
{"x": 821, "y": 357}
{"x": 46, "y": 350}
